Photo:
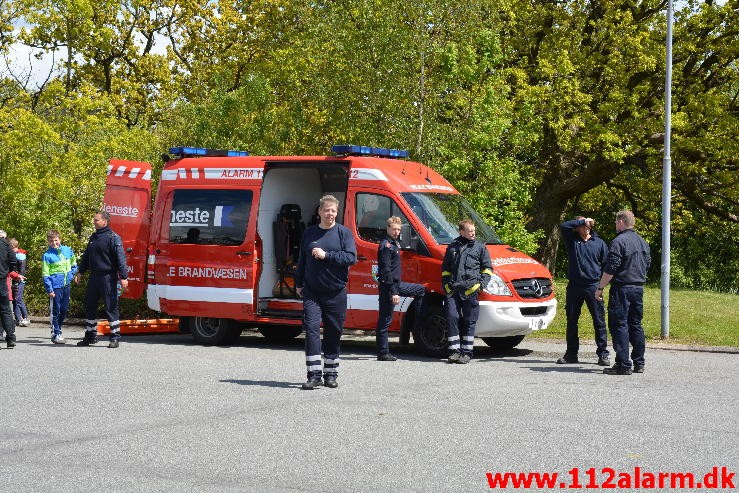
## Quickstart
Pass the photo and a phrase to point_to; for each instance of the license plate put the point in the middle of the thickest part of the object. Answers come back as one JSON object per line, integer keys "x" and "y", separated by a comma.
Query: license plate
{"x": 536, "y": 323}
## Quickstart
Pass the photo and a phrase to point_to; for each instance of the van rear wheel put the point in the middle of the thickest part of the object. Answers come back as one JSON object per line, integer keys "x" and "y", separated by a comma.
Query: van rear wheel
{"x": 214, "y": 331}
{"x": 430, "y": 337}
{"x": 503, "y": 343}
{"x": 281, "y": 333}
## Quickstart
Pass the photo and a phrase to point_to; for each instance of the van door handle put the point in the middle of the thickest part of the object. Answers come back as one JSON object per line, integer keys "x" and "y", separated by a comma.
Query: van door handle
{"x": 361, "y": 257}
{"x": 129, "y": 250}
{"x": 243, "y": 252}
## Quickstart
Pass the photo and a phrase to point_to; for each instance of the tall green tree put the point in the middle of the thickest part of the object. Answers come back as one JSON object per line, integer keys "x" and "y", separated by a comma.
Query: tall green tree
{"x": 597, "y": 70}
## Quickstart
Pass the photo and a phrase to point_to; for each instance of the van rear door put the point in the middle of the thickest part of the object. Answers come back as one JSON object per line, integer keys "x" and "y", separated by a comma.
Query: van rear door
{"x": 128, "y": 201}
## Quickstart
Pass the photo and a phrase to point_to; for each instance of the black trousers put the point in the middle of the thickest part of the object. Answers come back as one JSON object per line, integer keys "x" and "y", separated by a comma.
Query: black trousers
{"x": 577, "y": 294}
{"x": 103, "y": 286}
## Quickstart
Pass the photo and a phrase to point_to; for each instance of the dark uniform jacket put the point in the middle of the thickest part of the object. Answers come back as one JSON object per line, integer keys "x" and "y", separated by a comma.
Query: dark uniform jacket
{"x": 466, "y": 267}
{"x": 388, "y": 260}
{"x": 8, "y": 261}
{"x": 104, "y": 254}
{"x": 585, "y": 259}
{"x": 628, "y": 259}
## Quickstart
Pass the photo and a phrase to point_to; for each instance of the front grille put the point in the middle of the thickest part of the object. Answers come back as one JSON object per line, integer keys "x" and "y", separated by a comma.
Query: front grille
{"x": 536, "y": 311}
{"x": 538, "y": 287}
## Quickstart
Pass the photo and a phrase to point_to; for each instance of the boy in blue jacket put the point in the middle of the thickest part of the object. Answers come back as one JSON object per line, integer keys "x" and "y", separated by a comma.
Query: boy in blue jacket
{"x": 58, "y": 267}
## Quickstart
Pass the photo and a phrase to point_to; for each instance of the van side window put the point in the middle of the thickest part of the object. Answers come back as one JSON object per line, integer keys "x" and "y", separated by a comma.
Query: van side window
{"x": 372, "y": 213}
{"x": 209, "y": 217}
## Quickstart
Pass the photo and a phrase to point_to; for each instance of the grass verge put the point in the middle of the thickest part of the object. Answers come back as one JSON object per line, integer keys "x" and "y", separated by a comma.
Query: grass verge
{"x": 703, "y": 318}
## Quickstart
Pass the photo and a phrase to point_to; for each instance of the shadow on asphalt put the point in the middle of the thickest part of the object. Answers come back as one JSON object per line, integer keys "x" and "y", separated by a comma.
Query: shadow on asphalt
{"x": 564, "y": 369}
{"x": 264, "y": 383}
{"x": 354, "y": 348}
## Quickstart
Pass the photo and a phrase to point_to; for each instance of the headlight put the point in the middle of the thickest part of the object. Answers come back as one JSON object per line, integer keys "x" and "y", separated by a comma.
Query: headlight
{"x": 497, "y": 287}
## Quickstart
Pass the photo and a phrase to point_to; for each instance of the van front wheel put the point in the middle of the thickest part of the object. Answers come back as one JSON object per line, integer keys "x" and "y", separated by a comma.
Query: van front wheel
{"x": 214, "y": 331}
{"x": 430, "y": 337}
{"x": 503, "y": 343}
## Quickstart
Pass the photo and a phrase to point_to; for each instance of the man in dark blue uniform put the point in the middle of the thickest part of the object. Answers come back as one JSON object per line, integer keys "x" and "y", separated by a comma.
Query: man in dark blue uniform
{"x": 391, "y": 287}
{"x": 8, "y": 263}
{"x": 327, "y": 250}
{"x": 105, "y": 259}
{"x": 465, "y": 270}
{"x": 586, "y": 256}
{"x": 628, "y": 262}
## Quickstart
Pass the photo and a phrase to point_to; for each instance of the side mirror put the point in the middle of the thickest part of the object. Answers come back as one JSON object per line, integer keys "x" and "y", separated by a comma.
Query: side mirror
{"x": 408, "y": 240}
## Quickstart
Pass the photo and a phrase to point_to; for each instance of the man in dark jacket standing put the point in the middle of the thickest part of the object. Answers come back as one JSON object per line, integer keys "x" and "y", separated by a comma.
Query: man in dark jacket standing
{"x": 586, "y": 256}
{"x": 465, "y": 271}
{"x": 105, "y": 259}
{"x": 628, "y": 262}
{"x": 8, "y": 263}
{"x": 391, "y": 288}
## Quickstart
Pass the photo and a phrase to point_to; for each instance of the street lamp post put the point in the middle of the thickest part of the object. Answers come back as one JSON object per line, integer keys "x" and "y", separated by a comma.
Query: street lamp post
{"x": 667, "y": 184}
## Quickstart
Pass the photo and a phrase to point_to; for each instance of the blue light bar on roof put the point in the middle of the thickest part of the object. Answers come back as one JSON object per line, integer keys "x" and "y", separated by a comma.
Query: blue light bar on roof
{"x": 200, "y": 151}
{"x": 354, "y": 150}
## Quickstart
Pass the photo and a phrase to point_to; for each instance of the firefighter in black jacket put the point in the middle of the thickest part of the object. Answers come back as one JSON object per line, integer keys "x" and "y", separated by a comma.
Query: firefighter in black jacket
{"x": 466, "y": 270}
{"x": 391, "y": 287}
{"x": 105, "y": 259}
{"x": 8, "y": 263}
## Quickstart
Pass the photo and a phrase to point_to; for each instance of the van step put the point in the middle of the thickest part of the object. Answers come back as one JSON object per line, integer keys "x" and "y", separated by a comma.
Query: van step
{"x": 272, "y": 312}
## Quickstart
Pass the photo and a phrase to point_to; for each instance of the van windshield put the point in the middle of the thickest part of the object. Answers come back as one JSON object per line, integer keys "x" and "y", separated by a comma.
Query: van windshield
{"x": 441, "y": 213}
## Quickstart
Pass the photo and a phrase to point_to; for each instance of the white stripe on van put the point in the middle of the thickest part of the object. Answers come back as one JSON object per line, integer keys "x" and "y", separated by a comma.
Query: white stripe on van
{"x": 235, "y": 295}
{"x": 371, "y": 302}
{"x": 233, "y": 173}
{"x": 197, "y": 293}
{"x": 367, "y": 174}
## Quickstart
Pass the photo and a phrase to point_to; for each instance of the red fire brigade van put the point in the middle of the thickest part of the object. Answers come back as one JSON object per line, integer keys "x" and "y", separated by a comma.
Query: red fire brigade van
{"x": 219, "y": 247}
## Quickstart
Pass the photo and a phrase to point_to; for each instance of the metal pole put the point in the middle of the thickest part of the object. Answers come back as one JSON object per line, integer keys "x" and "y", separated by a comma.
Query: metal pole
{"x": 667, "y": 184}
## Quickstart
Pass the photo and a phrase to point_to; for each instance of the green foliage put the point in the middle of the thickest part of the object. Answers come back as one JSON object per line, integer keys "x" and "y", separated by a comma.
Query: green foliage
{"x": 535, "y": 111}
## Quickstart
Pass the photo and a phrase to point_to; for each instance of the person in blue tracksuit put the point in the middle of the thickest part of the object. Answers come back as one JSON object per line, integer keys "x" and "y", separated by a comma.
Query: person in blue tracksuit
{"x": 586, "y": 256}
{"x": 629, "y": 259}
{"x": 105, "y": 259}
{"x": 391, "y": 288}
{"x": 58, "y": 268}
{"x": 327, "y": 250}
{"x": 465, "y": 271}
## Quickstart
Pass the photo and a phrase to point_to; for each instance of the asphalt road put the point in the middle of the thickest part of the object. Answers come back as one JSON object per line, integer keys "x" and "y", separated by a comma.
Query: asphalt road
{"x": 163, "y": 414}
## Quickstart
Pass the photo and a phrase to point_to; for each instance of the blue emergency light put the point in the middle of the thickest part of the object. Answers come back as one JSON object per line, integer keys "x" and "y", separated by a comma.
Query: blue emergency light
{"x": 200, "y": 151}
{"x": 353, "y": 150}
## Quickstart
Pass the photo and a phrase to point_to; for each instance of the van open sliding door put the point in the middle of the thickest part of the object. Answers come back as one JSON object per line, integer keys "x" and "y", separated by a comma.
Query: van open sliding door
{"x": 289, "y": 200}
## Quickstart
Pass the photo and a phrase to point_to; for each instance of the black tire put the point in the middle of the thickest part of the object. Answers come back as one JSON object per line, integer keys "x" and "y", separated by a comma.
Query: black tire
{"x": 185, "y": 326}
{"x": 431, "y": 336}
{"x": 281, "y": 333}
{"x": 214, "y": 331}
{"x": 503, "y": 343}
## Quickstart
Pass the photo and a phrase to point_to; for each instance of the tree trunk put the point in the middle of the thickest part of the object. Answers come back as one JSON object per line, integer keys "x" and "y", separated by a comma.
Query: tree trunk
{"x": 547, "y": 214}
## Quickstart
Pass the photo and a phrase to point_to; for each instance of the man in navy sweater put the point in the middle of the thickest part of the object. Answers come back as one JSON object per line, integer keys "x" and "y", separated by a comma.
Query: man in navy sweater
{"x": 326, "y": 252}
{"x": 586, "y": 256}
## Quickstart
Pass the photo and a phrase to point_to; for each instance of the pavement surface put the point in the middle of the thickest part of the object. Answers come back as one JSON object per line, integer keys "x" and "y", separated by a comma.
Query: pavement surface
{"x": 161, "y": 413}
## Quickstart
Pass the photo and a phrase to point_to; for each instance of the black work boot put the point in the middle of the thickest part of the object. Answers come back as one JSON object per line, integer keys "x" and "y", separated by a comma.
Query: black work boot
{"x": 89, "y": 339}
{"x": 10, "y": 342}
